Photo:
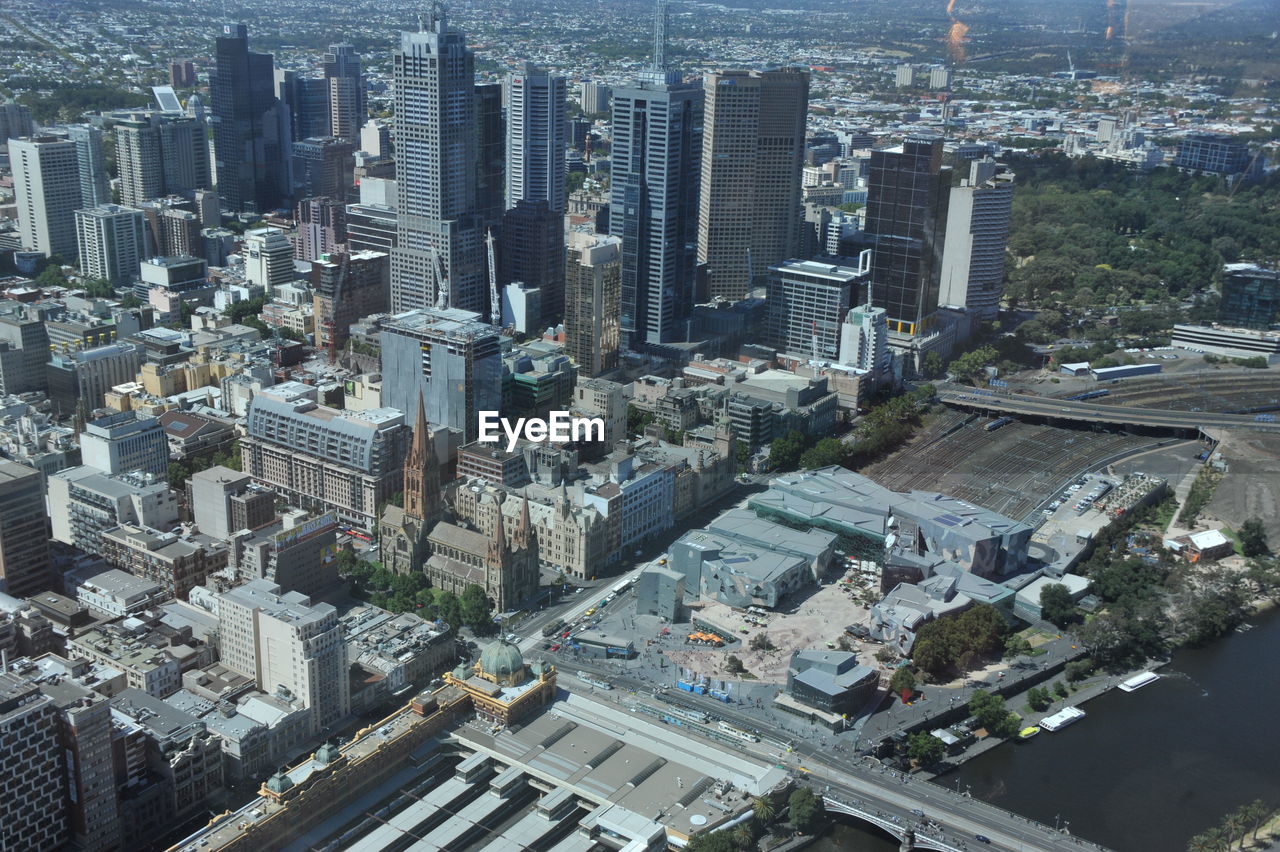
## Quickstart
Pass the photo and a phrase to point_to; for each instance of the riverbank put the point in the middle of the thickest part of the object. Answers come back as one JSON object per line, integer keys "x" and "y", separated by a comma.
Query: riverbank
{"x": 1086, "y": 690}
{"x": 1150, "y": 769}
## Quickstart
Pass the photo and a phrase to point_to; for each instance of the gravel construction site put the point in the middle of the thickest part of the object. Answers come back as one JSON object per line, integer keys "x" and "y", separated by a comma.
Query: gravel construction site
{"x": 811, "y": 622}
{"x": 1251, "y": 486}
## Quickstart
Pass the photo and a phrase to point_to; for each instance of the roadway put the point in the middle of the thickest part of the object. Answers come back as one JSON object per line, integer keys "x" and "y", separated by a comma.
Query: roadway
{"x": 1092, "y": 412}
{"x": 948, "y": 819}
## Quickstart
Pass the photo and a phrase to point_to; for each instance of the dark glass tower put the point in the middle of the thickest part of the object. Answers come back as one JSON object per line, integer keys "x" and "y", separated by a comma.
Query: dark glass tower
{"x": 907, "y": 194}
{"x": 657, "y": 154}
{"x": 250, "y": 139}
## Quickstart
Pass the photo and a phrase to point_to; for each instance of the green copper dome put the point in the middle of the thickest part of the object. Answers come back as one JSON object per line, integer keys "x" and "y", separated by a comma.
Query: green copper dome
{"x": 501, "y": 659}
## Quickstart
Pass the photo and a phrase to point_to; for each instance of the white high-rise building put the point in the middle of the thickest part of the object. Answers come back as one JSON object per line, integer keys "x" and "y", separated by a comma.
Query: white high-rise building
{"x": 864, "y": 341}
{"x": 536, "y": 130}
{"x": 112, "y": 241}
{"x": 291, "y": 647}
{"x": 46, "y": 183}
{"x": 268, "y": 258}
{"x": 439, "y": 234}
{"x": 977, "y": 234}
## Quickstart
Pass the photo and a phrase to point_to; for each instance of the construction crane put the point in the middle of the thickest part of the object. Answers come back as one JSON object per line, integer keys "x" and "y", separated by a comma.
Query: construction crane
{"x": 495, "y": 304}
{"x": 330, "y": 323}
{"x": 442, "y": 279}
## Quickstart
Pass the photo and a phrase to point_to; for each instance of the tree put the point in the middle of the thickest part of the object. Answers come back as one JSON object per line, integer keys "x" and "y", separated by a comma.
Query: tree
{"x": 825, "y": 453}
{"x": 1258, "y": 813}
{"x": 924, "y": 748}
{"x": 733, "y": 665}
{"x": 990, "y": 712}
{"x": 903, "y": 680}
{"x": 1253, "y": 538}
{"x": 931, "y": 365}
{"x": 712, "y": 841}
{"x": 805, "y": 809}
{"x": 51, "y": 277}
{"x": 450, "y": 608}
{"x": 475, "y": 609}
{"x": 1016, "y": 646}
{"x": 1077, "y": 671}
{"x": 1056, "y": 604}
{"x": 785, "y": 452}
{"x": 762, "y": 807}
{"x": 762, "y": 642}
{"x": 1233, "y": 824}
{"x": 1039, "y": 698}
{"x": 1060, "y": 689}
{"x": 970, "y": 366}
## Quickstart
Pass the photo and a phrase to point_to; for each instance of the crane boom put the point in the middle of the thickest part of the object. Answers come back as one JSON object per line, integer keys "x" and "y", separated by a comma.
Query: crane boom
{"x": 495, "y": 304}
{"x": 442, "y": 280}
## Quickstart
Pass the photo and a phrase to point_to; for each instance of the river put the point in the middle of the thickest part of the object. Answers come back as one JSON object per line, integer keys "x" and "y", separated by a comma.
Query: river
{"x": 1149, "y": 769}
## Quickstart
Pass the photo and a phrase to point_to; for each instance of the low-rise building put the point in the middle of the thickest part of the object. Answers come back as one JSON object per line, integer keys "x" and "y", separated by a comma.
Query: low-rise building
{"x": 178, "y": 562}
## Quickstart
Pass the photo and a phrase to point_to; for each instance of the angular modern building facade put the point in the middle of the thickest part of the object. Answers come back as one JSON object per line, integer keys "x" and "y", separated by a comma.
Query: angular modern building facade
{"x": 907, "y": 195}
{"x": 752, "y": 154}
{"x": 657, "y": 154}
{"x": 25, "y": 568}
{"x": 250, "y": 128}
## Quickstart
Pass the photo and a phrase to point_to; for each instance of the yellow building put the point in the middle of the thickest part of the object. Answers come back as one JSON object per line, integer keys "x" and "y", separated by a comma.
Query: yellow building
{"x": 159, "y": 380}
{"x": 502, "y": 688}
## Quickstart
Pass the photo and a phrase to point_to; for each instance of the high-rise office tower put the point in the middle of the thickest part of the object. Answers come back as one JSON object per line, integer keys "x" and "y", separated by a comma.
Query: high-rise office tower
{"x": 322, "y": 227}
{"x": 95, "y": 186}
{"x": 46, "y": 185}
{"x": 593, "y": 294}
{"x": 323, "y": 165}
{"x": 657, "y": 151}
{"x": 344, "y": 80}
{"x": 159, "y": 155}
{"x": 595, "y": 97}
{"x": 533, "y": 252}
{"x": 25, "y": 568}
{"x": 249, "y": 137}
{"x": 306, "y": 101}
{"x": 84, "y": 732}
{"x": 536, "y": 123}
{"x": 182, "y": 73}
{"x": 268, "y": 258}
{"x": 31, "y": 775}
{"x": 15, "y": 121}
{"x": 440, "y": 236}
{"x": 113, "y": 242}
{"x": 752, "y": 153}
{"x": 977, "y": 234}
{"x": 491, "y": 160}
{"x": 907, "y": 194}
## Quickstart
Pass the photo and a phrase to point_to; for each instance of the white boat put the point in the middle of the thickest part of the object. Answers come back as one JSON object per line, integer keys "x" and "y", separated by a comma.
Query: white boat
{"x": 1061, "y": 719}
{"x": 1139, "y": 681}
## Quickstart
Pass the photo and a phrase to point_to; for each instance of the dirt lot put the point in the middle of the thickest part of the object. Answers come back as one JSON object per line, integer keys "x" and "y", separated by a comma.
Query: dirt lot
{"x": 1251, "y": 487}
{"x": 819, "y": 619}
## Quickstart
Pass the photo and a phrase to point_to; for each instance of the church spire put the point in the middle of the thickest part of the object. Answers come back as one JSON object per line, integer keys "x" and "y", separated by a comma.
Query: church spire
{"x": 498, "y": 542}
{"x": 520, "y": 538}
{"x": 422, "y": 472}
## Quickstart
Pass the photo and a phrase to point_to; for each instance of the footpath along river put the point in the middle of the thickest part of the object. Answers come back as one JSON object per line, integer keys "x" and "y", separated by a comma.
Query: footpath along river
{"x": 1145, "y": 770}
